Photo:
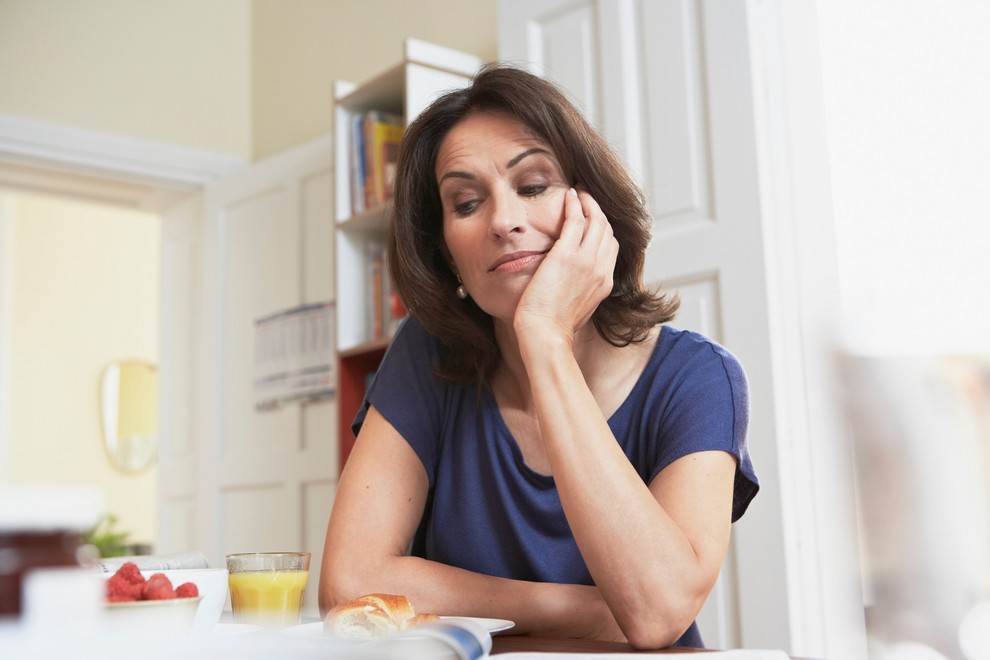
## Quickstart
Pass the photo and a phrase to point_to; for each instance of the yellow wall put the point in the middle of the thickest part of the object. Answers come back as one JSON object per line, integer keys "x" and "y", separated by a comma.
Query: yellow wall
{"x": 243, "y": 77}
{"x": 85, "y": 292}
{"x": 300, "y": 47}
{"x": 174, "y": 71}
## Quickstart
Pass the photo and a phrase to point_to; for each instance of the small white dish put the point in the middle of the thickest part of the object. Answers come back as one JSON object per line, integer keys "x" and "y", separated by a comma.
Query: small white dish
{"x": 160, "y": 618}
{"x": 212, "y": 586}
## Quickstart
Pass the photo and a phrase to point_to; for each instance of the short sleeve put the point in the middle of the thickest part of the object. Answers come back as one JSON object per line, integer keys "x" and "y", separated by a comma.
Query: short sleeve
{"x": 407, "y": 393}
{"x": 706, "y": 407}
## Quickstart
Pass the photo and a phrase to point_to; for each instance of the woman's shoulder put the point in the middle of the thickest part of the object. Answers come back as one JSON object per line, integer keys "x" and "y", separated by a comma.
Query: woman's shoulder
{"x": 412, "y": 336}
{"x": 410, "y": 329}
{"x": 677, "y": 346}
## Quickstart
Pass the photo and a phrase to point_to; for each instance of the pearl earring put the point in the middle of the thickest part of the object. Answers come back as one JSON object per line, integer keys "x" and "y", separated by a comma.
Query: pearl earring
{"x": 460, "y": 290}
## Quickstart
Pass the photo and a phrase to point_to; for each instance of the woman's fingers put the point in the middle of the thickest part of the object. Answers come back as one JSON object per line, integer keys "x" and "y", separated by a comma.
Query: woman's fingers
{"x": 574, "y": 220}
{"x": 577, "y": 273}
{"x": 583, "y": 219}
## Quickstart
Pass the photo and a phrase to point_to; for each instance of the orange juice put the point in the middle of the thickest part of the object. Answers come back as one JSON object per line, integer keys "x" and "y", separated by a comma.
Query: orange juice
{"x": 272, "y": 598}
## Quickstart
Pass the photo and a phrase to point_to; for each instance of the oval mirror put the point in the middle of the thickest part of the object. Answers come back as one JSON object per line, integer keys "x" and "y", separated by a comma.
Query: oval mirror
{"x": 129, "y": 402}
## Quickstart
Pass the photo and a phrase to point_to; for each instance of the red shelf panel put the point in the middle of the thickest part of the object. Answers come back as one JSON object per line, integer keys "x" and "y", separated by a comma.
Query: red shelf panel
{"x": 354, "y": 369}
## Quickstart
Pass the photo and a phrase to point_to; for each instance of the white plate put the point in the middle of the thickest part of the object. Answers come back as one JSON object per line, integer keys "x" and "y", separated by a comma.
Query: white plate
{"x": 491, "y": 625}
{"x": 315, "y": 629}
{"x": 227, "y": 629}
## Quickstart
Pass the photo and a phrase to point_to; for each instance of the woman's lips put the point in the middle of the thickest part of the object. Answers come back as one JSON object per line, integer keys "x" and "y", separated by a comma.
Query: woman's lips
{"x": 516, "y": 261}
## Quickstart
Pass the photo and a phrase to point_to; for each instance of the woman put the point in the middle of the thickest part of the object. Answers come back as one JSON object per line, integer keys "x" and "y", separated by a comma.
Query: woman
{"x": 536, "y": 446}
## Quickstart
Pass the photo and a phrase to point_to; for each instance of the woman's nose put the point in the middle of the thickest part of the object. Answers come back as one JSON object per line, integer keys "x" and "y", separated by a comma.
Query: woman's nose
{"x": 507, "y": 216}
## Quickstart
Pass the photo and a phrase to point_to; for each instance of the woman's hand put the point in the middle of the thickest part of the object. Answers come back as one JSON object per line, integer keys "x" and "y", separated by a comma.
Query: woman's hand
{"x": 575, "y": 276}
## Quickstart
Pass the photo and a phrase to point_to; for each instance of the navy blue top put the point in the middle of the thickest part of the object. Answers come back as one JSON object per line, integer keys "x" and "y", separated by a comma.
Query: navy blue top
{"x": 488, "y": 512}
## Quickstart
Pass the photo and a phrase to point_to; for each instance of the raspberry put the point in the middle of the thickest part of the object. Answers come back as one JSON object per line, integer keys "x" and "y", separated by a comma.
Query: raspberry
{"x": 119, "y": 589}
{"x": 158, "y": 587}
{"x": 130, "y": 572}
{"x": 186, "y": 590}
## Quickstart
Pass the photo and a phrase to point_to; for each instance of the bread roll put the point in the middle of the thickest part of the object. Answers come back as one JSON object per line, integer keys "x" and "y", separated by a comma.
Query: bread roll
{"x": 373, "y": 615}
{"x": 420, "y": 619}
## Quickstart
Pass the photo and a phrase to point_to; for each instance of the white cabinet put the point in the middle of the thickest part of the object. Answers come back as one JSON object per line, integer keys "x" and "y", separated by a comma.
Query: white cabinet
{"x": 425, "y": 72}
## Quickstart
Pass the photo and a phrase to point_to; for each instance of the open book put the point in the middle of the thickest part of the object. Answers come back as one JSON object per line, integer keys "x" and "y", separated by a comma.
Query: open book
{"x": 465, "y": 640}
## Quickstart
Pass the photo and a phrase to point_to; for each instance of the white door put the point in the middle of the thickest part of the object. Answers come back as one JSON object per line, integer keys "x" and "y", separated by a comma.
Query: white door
{"x": 668, "y": 82}
{"x": 236, "y": 479}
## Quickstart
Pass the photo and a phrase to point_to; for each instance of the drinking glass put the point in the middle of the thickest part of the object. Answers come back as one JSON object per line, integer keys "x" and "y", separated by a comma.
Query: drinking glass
{"x": 266, "y": 588}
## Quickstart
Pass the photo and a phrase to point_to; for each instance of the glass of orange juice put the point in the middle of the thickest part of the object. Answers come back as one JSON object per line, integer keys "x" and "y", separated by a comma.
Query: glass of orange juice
{"x": 266, "y": 588}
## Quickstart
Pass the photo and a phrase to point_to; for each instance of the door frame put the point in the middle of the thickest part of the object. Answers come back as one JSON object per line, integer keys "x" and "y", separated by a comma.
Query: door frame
{"x": 54, "y": 159}
{"x": 824, "y": 583}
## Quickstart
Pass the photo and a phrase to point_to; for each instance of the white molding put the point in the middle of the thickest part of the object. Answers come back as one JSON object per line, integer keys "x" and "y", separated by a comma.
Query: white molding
{"x": 7, "y": 229}
{"x": 441, "y": 57}
{"x": 33, "y": 142}
{"x": 826, "y": 607}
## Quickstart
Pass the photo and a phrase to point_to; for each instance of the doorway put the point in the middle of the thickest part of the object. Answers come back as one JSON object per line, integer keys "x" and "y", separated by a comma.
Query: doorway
{"x": 80, "y": 289}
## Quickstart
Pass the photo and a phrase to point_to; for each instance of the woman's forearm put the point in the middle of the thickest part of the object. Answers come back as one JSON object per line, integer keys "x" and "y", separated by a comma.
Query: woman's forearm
{"x": 653, "y": 575}
{"x": 561, "y": 610}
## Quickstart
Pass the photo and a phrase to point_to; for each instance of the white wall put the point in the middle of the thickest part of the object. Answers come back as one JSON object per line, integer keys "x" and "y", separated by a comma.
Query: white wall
{"x": 85, "y": 292}
{"x": 907, "y": 102}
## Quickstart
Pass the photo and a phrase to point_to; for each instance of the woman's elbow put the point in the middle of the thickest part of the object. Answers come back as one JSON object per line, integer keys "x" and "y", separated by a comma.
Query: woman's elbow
{"x": 328, "y": 594}
{"x": 660, "y": 628}
{"x": 649, "y": 636}
{"x": 336, "y": 587}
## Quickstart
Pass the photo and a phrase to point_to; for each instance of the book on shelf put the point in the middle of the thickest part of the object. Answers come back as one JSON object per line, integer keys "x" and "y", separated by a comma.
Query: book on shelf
{"x": 393, "y": 309}
{"x": 376, "y": 290}
{"x": 375, "y": 138}
{"x": 356, "y": 162}
{"x": 385, "y": 308}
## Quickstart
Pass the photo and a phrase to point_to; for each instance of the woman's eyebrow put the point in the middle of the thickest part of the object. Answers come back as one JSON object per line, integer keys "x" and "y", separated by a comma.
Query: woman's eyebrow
{"x": 528, "y": 152}
{"x": 457, "y": 174}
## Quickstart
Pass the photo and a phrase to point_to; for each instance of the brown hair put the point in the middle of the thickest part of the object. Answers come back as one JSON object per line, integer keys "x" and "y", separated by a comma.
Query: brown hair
{"x": 416, "y": 251}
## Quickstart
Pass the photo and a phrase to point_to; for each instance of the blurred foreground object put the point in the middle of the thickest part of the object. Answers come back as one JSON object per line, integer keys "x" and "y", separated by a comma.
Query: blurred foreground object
{"x": 921, "y": 437}
{"x": 41, "y": 529}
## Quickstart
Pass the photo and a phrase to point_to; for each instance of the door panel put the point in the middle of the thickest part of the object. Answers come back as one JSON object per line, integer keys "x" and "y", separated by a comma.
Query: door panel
{"x": 559, "y": 40}
{"x": 261, "y": 274}
{"x": 700, "y": 306}
{"x": 246, "y": 523}
{"x": 677, "y": 159}
{"x": 250, "y": 480}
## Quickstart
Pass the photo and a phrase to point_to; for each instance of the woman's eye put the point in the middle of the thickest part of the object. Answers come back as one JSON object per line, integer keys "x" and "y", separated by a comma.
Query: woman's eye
{"x": 532, "y": 190}
{"x": 465, "y": 208}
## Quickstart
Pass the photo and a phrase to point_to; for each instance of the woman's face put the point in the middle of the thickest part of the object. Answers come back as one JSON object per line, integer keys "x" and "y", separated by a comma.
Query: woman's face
{"x": 502, "y": 191}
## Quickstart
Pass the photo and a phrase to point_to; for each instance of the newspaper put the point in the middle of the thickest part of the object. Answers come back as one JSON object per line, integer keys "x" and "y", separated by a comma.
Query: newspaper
{"x": 175, "y": 561}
